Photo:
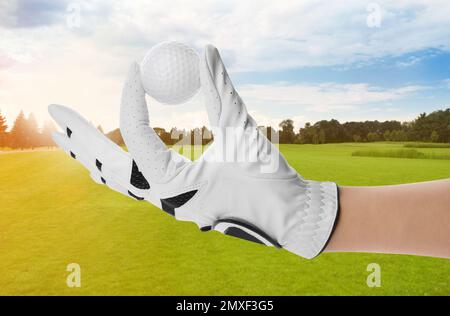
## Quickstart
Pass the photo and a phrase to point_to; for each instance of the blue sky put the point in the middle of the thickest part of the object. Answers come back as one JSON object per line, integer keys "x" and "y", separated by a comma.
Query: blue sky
{"x": 428, "y": 69}
{"x": 421, "y": 67}
{"x": 306, "y": 60}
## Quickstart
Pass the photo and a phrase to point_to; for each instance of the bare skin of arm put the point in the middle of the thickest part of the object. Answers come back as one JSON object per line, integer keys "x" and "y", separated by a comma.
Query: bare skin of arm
{"x": 400, "y": 219}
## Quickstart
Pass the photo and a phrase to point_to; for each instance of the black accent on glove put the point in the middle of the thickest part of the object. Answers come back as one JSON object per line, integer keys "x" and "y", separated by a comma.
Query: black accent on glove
{"x": 135, "y": 196}
{"x": 170, "y": 204}
{"x": 235, "y": 230}
{"x": 98, "y": 164}
{"x": 137, "y": 178}
{"x": 239, "y": 233}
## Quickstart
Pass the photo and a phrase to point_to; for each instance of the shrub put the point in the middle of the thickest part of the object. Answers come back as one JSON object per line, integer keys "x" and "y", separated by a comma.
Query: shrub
{"x": 426, "y": 145}
{"x": 399, "y": 153}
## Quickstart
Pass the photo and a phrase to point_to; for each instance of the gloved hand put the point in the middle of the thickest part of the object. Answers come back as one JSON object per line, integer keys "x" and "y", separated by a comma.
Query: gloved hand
{"x": 241, "y": 186}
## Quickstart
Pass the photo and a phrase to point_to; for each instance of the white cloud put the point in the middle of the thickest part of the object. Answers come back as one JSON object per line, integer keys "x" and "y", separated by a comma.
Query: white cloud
{"x": 259, "y": 34}
{"x": 413, "y": 60}
{"x": 267, "y": 35}
{"x": 447, "y": 83}
{"x": 325, "y": 97}
{"x": 269, "y": 104}
{"x": 84, "y": 67}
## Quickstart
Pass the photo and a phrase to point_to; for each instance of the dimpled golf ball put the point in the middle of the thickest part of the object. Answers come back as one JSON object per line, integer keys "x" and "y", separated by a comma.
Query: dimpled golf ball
{"x": 170, "y": 72}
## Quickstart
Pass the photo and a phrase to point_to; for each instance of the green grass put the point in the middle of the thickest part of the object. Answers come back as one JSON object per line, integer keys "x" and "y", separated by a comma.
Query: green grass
{"x": 399, "y": 153}
{"x": 52, "y": 214}
{"x": 427, "y": 145}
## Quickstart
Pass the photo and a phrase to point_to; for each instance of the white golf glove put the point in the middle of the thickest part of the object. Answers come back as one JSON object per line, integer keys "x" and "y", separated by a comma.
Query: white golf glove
{"x": 241, "y": 186}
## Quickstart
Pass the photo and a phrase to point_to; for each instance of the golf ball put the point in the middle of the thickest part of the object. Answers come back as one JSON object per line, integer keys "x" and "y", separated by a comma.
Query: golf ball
{"x": 170, "y": 72}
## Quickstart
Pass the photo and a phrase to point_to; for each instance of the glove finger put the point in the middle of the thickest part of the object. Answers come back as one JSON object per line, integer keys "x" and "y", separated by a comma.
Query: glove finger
{"x": 70, "y": 122}
{"x": 226, "y": 109}
{"x": 83, "y": 133}
{"x": 157, "y": 163}
{"x": 102, "y": 174}
{"x": 224, "y": 105}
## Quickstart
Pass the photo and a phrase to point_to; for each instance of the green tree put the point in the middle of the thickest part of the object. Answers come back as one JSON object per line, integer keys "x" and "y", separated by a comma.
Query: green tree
{"x": 3, "y": 133}
{"x": 424, "y": 125}
{"x": 314, "y": 136}
{"x": 356, "y": 138}
{"x": 322, "y": 137}
{"x": 46, "y": 134}
{"x": 434, "y": 137}
{"x": 287, "y": 133}
{"x": 18, "y": 135}
{"x": 304, "y": 134}
{"x": 398, "y": 136}
{"x": 32, "y": 132}
{"x": 373, "y": 137}
{"x": 330, "y": 131}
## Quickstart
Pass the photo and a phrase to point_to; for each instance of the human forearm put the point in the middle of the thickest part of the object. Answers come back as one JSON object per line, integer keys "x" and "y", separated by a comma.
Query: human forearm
{"x": 403, "y": 219}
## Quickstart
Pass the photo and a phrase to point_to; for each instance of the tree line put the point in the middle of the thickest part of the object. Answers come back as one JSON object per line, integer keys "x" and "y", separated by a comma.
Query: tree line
{"x": 25, "y": 133}
{"x": 194, "y": 136}
{"x": 432, "y": 127}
